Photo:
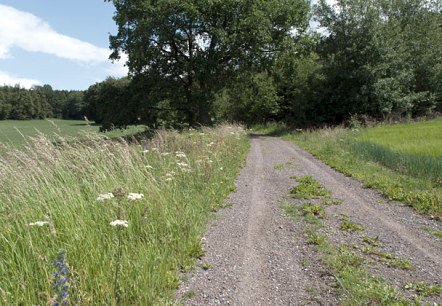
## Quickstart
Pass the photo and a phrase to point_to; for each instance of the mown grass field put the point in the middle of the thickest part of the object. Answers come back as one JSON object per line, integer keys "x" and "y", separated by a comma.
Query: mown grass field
{"x": 404, "y": 161}
{"x": 17, "y": 132}
{"x": 71, "y": 231}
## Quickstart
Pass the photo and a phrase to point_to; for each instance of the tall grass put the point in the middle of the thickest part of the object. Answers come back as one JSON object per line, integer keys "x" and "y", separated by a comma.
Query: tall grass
{"x": 182, "y": 177}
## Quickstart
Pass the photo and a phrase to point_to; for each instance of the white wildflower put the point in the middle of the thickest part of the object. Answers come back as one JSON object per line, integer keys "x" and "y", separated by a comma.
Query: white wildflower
{"x": 169, "y": 179}
{"x": 135, "y": 196}
{"x": 105, "y": 196}
{"x": 149, "y": 167}
{"x": 119, "y": 223}
{"x": 39, "y": 223}
{"x": 145, "y": 151}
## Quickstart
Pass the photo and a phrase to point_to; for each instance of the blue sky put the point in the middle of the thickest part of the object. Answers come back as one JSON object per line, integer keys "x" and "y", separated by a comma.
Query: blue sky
{"x": 58, "y": 42}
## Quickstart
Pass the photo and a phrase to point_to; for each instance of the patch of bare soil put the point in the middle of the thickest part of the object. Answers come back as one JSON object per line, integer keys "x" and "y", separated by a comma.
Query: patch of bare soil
{"x": 256, "y": 256}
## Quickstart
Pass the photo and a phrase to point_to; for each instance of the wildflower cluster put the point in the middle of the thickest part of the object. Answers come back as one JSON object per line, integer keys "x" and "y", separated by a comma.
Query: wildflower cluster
{"x": 60, "y": 283}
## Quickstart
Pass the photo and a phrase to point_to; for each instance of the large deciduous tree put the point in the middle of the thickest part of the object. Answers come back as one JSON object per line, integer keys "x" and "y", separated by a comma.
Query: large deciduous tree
{"x": 187, "y": 50}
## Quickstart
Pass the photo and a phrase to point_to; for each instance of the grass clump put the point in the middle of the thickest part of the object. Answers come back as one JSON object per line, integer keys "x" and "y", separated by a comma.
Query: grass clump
{"x": 127, "y": 216}
{"x": 424, "y": 289}
{"x": 435, "y": 233}
{"x": 373, "y": 241}
{"x": 312, "y": 210}
{"x": 349, "y": 226}
{"x": 308, "y": 188}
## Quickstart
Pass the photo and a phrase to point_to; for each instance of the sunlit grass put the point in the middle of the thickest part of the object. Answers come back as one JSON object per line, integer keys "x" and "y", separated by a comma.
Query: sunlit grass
{"x": 414, "y": 148}
{"x": 17, "y": 132}
{"x": 182, "y": 176}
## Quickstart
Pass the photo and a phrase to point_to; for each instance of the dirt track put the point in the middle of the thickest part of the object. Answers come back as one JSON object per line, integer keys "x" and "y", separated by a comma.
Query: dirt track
{"x": 256, "y": 256}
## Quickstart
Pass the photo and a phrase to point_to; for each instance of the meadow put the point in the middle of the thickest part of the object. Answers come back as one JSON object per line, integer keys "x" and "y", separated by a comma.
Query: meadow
{"x": 414, "y": 148}
{"x": 403, "y": 161}
{"x": 17, "y": 132}
{"x": 110, "y": 222}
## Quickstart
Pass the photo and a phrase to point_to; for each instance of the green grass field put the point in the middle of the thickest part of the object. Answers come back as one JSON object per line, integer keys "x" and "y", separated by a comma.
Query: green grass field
{"x": 404, "y": 161}
{"x": 17, "y": 132}
{"x": 65, "y": 239}
{"x": 414, "y": 148}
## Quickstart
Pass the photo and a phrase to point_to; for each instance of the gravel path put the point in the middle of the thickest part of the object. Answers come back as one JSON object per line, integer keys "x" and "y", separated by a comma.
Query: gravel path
{"x": 256, "y": 256}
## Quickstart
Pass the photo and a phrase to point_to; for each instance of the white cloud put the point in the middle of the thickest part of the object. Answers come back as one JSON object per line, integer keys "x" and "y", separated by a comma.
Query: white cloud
{"x": 26, "y": 31}
{"x": 118, "y": 68}
{"x": 11, "y": 80}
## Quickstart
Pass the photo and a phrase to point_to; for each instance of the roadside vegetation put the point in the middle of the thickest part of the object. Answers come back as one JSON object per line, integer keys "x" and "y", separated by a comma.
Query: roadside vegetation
{"x": 110, "y": 222}
{"x": 403, "y": 161}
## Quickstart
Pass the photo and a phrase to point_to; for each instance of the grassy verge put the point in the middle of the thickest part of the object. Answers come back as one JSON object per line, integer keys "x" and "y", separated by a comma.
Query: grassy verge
{"x": 107, "y": 222}
{"x": 402, "y": 172}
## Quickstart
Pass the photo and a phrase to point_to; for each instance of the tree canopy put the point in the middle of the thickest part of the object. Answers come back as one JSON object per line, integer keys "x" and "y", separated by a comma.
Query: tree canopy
{"x": 188, "y": 50}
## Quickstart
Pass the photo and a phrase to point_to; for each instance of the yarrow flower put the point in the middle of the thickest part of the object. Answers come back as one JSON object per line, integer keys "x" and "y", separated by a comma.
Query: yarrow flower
{"x": 105, "y": 196}
{"x": 119, "y": 223}
{"x": 39, "y": 223}
{"x": 135, "y": 196}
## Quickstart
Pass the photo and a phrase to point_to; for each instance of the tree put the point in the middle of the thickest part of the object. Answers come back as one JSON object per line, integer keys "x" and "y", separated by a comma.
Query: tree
{"x": 190, "y": 49}
{"x": 380, "y": 57}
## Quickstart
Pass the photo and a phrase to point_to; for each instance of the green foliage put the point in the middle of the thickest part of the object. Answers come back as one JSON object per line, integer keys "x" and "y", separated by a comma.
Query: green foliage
{"x": 379, "y": 59}
{"x": 40, "y": 102}
{"x": 187, "y": 51}
{"x": 250, "y": 99}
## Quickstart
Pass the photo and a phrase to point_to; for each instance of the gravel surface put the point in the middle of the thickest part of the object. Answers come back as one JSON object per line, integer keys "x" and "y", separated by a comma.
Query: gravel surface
{"x": 256, "y": 256}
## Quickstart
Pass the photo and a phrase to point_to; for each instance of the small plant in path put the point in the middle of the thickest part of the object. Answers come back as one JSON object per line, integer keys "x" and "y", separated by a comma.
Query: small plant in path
{"x": 349, "y": 226}
{"x": 308, "y": 188}
{"x": 424, "y": 289}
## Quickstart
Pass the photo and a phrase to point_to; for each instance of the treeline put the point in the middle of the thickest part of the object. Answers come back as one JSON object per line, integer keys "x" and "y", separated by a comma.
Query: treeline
{"x": 194, "y": 62}
{"x": 39, "y": 102}
{"x": 372, "y": 58}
